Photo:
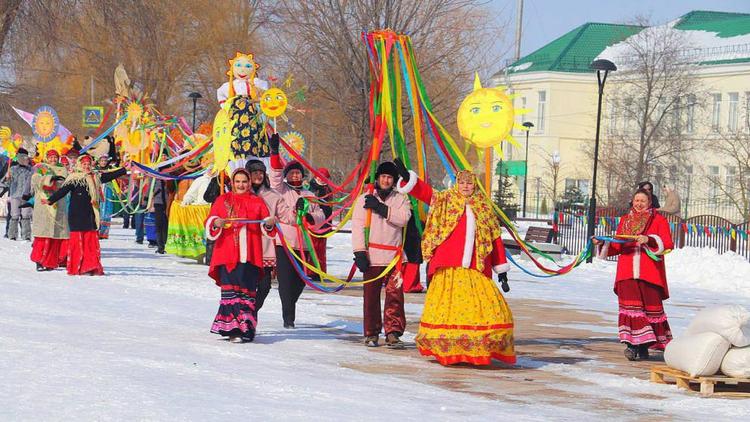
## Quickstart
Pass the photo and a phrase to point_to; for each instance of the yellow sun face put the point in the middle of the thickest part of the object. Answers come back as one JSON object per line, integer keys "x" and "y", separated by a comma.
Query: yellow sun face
{"x": 273, "y": 102}
{"x": 45, "y": 124}
{"x": 486, "y": 117}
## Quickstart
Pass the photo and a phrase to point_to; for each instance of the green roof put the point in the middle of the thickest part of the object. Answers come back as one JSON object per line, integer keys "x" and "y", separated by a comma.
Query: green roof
{"x": 724, "y": 24}
{"x": 574, "y": 51}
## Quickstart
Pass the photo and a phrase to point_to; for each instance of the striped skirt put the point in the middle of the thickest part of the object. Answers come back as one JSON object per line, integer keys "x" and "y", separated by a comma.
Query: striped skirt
{"x": 641, "y": 318}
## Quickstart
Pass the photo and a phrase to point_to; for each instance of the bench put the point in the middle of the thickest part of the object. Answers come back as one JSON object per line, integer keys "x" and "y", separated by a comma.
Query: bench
{"x": 540, "y": 237}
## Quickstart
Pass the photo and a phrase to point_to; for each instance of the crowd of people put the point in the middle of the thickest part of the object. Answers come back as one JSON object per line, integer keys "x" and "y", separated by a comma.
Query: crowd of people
{"x": 247, "y": 230}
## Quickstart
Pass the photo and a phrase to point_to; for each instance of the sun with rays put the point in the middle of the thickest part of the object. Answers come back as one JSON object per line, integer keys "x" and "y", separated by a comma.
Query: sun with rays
{"x": 486, "y": 117}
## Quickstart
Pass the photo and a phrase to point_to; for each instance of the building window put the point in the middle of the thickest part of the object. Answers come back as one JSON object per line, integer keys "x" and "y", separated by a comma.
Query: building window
{"x": 716, "y": 113}
{"x": 522, "y": 105}
{"x": 747, "y": 111}
{"x": 690, "y": 115}
{"x": 734, "y": 112}
{"x": 612, "y": 128}
{"x": 713, "y": 183}
{"x": 627, "y": 112}
{"x": 731, "y": 178}
{"x": 540, "y": 111}
{"x": 677, "y": 117}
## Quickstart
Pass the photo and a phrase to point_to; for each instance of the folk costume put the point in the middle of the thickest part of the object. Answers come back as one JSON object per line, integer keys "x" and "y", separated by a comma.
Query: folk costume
{"x": 50, "y": 228}
{"x": 185, "y": 232}
{"x": 291, "y": 284}
{"x": 389, "y": 213}
{"x": 84, "y": 254}
{"x": 106, "y": 204}
{"x": 237, "y": 262}
{"x": 466, "y": 318}
{"x": 641, "y": 280}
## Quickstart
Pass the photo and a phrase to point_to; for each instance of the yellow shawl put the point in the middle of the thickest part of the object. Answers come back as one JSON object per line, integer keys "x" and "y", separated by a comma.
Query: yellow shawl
{"x": 446, "y": 210}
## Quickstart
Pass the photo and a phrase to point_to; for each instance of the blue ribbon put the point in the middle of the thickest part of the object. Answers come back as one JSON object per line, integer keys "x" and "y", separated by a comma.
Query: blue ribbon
{"x": 102, "y": 135}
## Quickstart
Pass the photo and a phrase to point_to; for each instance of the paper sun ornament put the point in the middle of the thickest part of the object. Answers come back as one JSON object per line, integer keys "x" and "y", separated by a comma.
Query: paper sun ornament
{"x": 10, "y": 144}
{"x": 273, "y": 102}
{"x": 45, "y": 124}
{"x": 295, "y": 140}
{"x": 486, "y": 117}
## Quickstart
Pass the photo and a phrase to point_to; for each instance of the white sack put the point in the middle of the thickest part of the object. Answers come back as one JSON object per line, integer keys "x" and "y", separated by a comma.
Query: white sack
{"x": 698, "y": 355}
{"x": 736, "y": 363}
{"x": 730, "y": 321}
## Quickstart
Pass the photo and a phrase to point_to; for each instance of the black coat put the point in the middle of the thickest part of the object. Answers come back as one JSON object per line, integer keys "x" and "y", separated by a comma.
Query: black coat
{"x": 80, "y": 211}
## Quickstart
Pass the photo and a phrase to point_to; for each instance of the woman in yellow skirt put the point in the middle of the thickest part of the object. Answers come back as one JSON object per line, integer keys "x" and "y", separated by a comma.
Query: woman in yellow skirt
{"x": 465, "y": 318}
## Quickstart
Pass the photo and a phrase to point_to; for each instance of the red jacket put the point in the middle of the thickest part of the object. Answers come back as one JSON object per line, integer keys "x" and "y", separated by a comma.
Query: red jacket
{"x": 458, "y": 249}
{"x": 634, "y": 263}
{"x": 238, "y": 243}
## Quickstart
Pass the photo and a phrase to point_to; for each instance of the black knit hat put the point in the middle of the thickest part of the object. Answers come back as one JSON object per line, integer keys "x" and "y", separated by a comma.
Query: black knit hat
{"x": 255, "y": 165}
{"x": 22, "y": 151}
{"x": 294, "y": 165}
{"x": 387, "y": 167}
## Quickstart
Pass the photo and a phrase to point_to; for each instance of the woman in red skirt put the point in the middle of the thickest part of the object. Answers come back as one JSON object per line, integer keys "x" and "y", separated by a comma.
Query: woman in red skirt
{"x": 234, "y": 224}
{"x": 50, "y": 228}
{"x": 84, "y": 255}
{"x": 641, "y": 281}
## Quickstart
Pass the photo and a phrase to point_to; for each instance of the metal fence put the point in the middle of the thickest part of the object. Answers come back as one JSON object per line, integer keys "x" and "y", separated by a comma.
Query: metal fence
{"x": 699, "y": 231}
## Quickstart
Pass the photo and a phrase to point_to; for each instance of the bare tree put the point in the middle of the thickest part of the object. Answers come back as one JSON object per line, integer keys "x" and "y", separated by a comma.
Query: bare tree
{"x": 734, "y": 147}
{"x": 321, "y": 40}
{"x": 8, "y": 11}
{"x": 650, "y": 93}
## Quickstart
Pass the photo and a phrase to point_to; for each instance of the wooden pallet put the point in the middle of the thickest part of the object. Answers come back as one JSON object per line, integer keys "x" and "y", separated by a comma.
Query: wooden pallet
{"x": 713, "y": 386}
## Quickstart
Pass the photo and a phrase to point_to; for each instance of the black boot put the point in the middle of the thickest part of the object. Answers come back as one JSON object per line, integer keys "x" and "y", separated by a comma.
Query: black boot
{"x": 631, "y": 352}
{"x": 643, "y": 351}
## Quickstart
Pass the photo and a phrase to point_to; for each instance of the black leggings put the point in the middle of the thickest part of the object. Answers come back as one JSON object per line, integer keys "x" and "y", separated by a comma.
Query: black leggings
{"x": 290, "y": 285}
{"x": 162, "y": 225}
{"x": 264, "y": 286}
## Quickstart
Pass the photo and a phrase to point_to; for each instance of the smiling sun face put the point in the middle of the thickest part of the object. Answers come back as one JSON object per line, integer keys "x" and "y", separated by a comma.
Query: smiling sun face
{"x": 486, "y": 117}
{"x": 273, "y": 102}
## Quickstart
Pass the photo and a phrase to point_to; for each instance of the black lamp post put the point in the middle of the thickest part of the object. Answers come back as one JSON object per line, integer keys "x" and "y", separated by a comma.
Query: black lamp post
{"x": 194, "y": 96}
{"x": 528, "y": 126}
{"x": 600, "y": 66}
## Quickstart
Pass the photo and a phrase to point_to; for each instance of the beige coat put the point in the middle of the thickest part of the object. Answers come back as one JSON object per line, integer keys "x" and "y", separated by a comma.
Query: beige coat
{"x": 383, "y": 231}
{"x": 290, "y": 196}
{"x": 280, "y": 210}
{"x": 671, "y": 202}
{"x": 48, "y": 221}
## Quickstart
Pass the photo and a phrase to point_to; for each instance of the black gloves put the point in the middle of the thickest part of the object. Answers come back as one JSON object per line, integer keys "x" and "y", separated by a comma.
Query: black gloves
{"x": 361, "y": 261}
{"x": 58, "y": 178}
{"x": 503, "y": 279}
{"x": 300, "y": 205}
{"x": 379, "y": 208}
{"x": 402, "y": 170}
{"x": 310, "y": 220}
{"x": 26, "y": 197}
{"x": 273, "y": 142}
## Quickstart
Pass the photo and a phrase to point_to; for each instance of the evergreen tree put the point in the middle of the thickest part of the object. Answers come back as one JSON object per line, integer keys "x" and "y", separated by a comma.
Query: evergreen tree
{"x": 505, "y": 198}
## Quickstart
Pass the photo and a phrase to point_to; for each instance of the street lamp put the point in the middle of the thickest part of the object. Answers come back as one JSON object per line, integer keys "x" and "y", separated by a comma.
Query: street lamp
{"x": 600, "y": 66}
{"x": 528, "y": 126}
{"x": 555, "y": 175}
{"x": 194, "y": 96}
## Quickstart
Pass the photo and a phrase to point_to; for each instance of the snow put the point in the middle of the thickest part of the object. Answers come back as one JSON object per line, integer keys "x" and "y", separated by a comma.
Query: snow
{"x": 135, "y": 344}
{"x": 702, "y": 45}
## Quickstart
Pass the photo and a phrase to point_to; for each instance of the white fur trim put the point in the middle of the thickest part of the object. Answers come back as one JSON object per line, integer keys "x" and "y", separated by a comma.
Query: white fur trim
{"x": 209, "y": 225}
{"x": 243, "y": 244}
{"x": 659, "y": 243}
{"x": 637, "y": 264}
{"x": 409, "y": 185}
{"x": 471, "y": 228}
{"x": 603, "y": 251}
{"x": 502, "y": 268}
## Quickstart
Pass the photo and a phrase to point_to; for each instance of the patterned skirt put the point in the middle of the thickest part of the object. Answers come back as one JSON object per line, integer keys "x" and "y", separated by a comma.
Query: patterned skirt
{"x": 186, "y": 234}
{"x": 465, "y": 319}
{"x": 84, "y": 255}
{"x": 642, "y": 319}
{"x": 237, "y": 316}
{"x": 248, "y": 136}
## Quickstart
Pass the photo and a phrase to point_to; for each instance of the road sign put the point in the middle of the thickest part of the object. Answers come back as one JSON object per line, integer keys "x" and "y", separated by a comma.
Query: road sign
{"x": 92, "y": 116}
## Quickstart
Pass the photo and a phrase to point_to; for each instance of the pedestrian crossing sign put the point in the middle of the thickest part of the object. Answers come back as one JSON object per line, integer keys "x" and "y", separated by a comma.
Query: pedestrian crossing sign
{"x": 92, "y": 116}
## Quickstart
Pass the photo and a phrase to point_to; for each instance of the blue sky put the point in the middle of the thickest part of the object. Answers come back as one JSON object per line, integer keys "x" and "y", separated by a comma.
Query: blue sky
{"x": 545, "y": 20}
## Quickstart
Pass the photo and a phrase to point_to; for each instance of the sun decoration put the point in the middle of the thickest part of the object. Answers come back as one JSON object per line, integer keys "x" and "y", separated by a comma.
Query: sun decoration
{"x": 273, "y": 102}
{"x": 45, "y": 124}
{"x": 295, "y": 140}
{"x": 486, "y": 117}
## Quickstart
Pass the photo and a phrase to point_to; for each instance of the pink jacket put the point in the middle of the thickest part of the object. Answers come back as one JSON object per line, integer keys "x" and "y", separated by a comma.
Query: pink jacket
{"x": 383, "y": 231}
{"x": 278, "y": 208}
{"x": 290, "y": 196}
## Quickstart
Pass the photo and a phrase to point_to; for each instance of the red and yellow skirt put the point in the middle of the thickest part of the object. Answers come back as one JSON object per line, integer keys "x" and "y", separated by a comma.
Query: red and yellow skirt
{"x": 465, "y": 319}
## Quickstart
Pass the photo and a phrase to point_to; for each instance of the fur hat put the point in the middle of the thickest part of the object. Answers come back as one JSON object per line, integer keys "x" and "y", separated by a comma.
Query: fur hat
{"x": 387, "y": 167}
{"x": 292, "y": 165}
{"x": 255, "y": 165}
{"x": 22, "y": 151}
{"x": 324, "y": 171}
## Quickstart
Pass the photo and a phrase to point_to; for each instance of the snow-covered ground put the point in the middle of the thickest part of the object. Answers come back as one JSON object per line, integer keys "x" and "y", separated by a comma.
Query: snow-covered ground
{"x": 135, "y": 345}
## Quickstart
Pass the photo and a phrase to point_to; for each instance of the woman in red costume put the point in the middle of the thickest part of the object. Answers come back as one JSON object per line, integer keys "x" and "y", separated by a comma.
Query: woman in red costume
{"x": 84, "y": 186}
{"x": 237, "y": 261}
{"x": 641, "y": 281}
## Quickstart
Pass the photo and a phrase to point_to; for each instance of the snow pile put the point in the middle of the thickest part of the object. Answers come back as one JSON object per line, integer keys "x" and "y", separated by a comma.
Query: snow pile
{"x": 705, "y": 268}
